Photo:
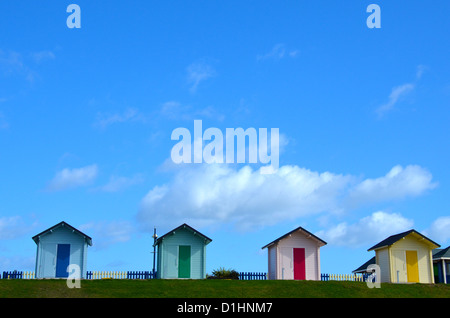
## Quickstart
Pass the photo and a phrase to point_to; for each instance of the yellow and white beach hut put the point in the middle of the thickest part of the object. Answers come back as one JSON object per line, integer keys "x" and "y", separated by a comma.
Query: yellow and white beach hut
{"x": 405, "y": 258}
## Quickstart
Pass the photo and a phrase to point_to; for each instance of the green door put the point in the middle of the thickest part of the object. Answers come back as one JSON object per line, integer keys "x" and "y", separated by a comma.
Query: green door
{"x": 184, "y": 263}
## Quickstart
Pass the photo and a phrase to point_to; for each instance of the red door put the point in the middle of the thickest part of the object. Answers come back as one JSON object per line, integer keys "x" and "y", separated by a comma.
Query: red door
{"x": 299, "y": 264}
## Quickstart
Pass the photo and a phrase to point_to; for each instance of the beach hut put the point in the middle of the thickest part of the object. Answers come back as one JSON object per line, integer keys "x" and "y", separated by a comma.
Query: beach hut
{"x": 295, "y": 255}
{"x": 57, "y": 248}
{"x": 182, "y": 253}
{"x": 441, "y": 263}
{"x": 405, "y": 258}
{"x": 363, "y": 268}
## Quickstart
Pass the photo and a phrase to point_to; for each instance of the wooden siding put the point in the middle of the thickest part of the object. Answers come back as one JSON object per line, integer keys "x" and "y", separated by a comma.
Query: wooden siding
{"x": 47, "y": 247}
{"x": 382, "y": 259}
{"x": 423, "y": 257}
{"x": 272, "y": 262}
{"x": 286, "y": 262}
{"x": 392, "y": 261}
{"x": 285, "y": 255}
{"x": 168, "y": 254}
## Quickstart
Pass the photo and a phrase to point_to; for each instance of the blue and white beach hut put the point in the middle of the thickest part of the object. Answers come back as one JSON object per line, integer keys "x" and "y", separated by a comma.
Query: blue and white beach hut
{"x": 57, "y": 248}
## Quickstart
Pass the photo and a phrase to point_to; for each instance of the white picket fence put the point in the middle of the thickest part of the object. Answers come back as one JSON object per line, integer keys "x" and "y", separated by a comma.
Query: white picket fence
{"x": 107, "y": 275}
{"x": 28, "y": 275}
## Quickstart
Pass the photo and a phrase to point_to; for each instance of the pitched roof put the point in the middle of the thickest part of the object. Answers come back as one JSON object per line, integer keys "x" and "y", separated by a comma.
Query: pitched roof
{"x": 441, "y": 253}
{"x": 54, "y": 227}
{"x": 183, "y": 226}
{"x": 394, "y": 238}
{"x": 321, "y": 242}
{"x": 363, "y": 267}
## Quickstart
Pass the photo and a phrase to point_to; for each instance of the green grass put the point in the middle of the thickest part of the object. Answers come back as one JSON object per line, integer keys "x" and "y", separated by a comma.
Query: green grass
{"x": 214, "y": 289}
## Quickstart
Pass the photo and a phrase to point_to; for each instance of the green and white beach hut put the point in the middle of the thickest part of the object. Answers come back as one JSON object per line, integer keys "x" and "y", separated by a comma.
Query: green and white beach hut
{"x": 57, "y": 248}
{"x": 182, "y": 253}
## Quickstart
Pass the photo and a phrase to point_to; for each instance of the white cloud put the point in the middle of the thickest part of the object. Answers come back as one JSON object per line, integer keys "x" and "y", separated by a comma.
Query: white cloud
{"x": 117, "y": 184}
{"x": 42, "y": 55}
{"x": 12, "y": 64}
{"x": 396, "y": 93}
{"x": 211, "y": 194}
{"x": 71, "y": 178}
{"x": 16, "y": 63}
{"x": 400, "y": 92}
{"x": 174, "y": 110}
{"x": 198, "y": 72}
{"x": 130, "y": 114}
{"x": 9, "y": 227}
{"x": 11, "y": 61}
{"x": 368, "y": 230}
{"x": 107, "y": 233}
{"x": 420, "y": 70}
{"x": 439, "y": 231}
{"x": 278, "y": 52}
{"x": 12, "y": 227}
{"x": 398, "y": 183}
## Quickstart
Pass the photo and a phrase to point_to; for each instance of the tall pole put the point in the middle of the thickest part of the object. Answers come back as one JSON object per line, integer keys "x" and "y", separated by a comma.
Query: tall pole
{"x": 154, "y": 250}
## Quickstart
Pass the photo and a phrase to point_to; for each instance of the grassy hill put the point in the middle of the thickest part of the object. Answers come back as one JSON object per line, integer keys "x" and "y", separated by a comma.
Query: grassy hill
{"x": 215, "y": 289}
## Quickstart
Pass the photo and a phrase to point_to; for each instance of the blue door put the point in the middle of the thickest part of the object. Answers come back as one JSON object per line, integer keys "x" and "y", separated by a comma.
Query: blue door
{"x": 62, "y": 260}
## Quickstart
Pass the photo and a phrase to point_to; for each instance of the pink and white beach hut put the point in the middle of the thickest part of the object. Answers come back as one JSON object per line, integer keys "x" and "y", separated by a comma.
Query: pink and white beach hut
{"x": 295, "y": 255}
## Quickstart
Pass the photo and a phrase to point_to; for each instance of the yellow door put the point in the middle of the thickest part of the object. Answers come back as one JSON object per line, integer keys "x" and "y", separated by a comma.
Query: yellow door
{"x": 412, "y": 268}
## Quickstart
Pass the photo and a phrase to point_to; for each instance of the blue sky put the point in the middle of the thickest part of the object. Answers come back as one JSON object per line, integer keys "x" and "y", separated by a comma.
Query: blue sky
{"x": 86, "y": 117}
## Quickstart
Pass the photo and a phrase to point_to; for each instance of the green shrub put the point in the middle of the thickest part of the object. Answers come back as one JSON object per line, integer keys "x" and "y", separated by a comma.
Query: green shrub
{"x": 223, "y": 273}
